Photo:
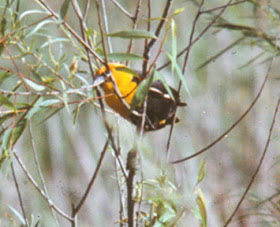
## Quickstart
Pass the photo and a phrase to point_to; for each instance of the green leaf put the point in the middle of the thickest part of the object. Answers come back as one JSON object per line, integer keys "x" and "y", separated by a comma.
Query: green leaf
{"x": 180, "y": 10}
{"x": 39, "y": 26}
{"x": 11, "y": 136}
{"x": 164, "y": 82}
{"x": 6, "y": 102}
{"x": 33, "y": 85}
{"x": 2, "y": 48}
{"x": 5, "y": 117}
{"x": 49, "y": 102}
{"x": 200, "y": 200}
{"x": 180, "y": 74}
{"x": 123, "y": 57}
{"x": 141, "y": 92}
{"x": 201, "y": 172}
{"x": 28, "y": 12}
{"x": 50, "y": 115}
{"x": 64, "y": 9}
{"x": 3, "y": 25}
{"x": 3, "y": 157}
{"x": 3, "y": 76}
{"x": 55, "y": 40}
{"x": 174, "y": 41}
{"x": 35, "y": 109}
{"x": 133, "y": 34}
{"x": 20, "y": 217}
{"x": 128, "y": 70}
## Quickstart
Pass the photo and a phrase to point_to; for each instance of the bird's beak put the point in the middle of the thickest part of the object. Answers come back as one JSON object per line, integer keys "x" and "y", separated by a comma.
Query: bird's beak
{"x": 99, "y": 79}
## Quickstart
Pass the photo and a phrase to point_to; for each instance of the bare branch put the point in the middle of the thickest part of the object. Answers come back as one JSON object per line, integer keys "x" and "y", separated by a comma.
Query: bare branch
{"x": 258, "y": 167}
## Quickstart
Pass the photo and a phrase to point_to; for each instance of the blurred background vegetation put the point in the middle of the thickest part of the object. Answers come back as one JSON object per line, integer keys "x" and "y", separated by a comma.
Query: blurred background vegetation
{"x": 234, "y": 44}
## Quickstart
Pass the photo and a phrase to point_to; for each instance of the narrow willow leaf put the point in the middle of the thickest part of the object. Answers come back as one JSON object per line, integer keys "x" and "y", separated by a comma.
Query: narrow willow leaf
{"x": 49, "y": 116}
{"x": 6, "y": 117}
{"x": 49, "y": 102}
{"x": 65, "y": 97}
{"x": 164, "y": 82}
{"x": 3, "y": 25}
{"x": 6, "y": 102}
{"x": 28, "y": 12}
{"x": 64, "y": 9}
{"x": 38, "y": 27}
{"x": 2, "y": 48}
{"x": 141, "y": 92}
{"x": 128, "y": 70}
{"x": 11, "y": 136}
{"x": 36, "y": 87}
{"x": 133, "y": 34}
{"x": 3, "y": 76}
{"x": 174, "y": 41}
{"x": 3, "y": 157}
{"x": 54, "y": 40}
{"x": 20, "y": 217}
{"x": 35, "y": 109}
{"x": 201, "y": 171}
{"x": 200, "y": 200}
{"x": 180, "y": 74}
{"x": 180, "y": 10}
{"x": 123, "y": 57}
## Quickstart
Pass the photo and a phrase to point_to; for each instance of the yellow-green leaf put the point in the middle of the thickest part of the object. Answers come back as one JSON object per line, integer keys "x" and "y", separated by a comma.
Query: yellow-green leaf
{"x": 133, "y": 34}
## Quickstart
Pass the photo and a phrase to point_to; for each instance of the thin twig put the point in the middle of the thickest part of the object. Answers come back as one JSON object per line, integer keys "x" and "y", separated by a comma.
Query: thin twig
{"x": 72, "y": 31}
{"x": 38, "y": 167}
{"x": 183, "y": 71}
{"x": 92, "y": 181}
{"x": 258, "y": 167}
{"x": 157, "y": 33}
{"x": 19, "y": 195}
{"x": 106, "y": 26}
{"x": 34, "y": 183}
{"x": 101, "y": 33}
{"x": 198, "y": 37}
{"x": 233, "y": 125}
{"x": 223, "y": 6}
{"x": 122, "y": 9}
{"x": 134, "y": 26}
{"x": 132, "y": 166}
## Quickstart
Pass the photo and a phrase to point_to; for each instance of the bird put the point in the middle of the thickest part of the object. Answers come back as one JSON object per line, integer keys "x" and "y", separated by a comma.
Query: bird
{"x": 119, "y": 84}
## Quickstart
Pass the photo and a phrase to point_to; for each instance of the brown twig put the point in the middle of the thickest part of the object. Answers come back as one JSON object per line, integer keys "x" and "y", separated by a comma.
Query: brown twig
{"x": 72, "y": 31}
{"x": 223, "y": 6}
{"x": 134, "y": 26}
{"x": 258, "y": 167}
{"x": 232, "y": 126}
{"x": 38, "y": 167}
{"x": 197, "y": 38}
{"x": 157, "y": 33}
{"x": 34, "y": 183}
{"x": 122, "y": 9}
{"x": 132, "y": 166}
{"x": 19, "y": 196}
{"x": 92, "y": 181}
{"x": 183, "y": 71}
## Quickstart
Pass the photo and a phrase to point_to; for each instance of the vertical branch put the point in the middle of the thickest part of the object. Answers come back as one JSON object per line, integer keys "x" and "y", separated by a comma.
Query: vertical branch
{"x": 187, "y": 57}
{"x": 106, "y": 25}
{"x": 132, "y": 166}
{"x": 158, "y": 30}
{"x": 19, "y": 195}
{"x": 34, "y": 183}
{"x": 183, "y": 71}
{"x": 102, "y": 33}
{"x": 134, "y": 26}
{"x": 258, "y": 167}
{"x": 92, "y": 181}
